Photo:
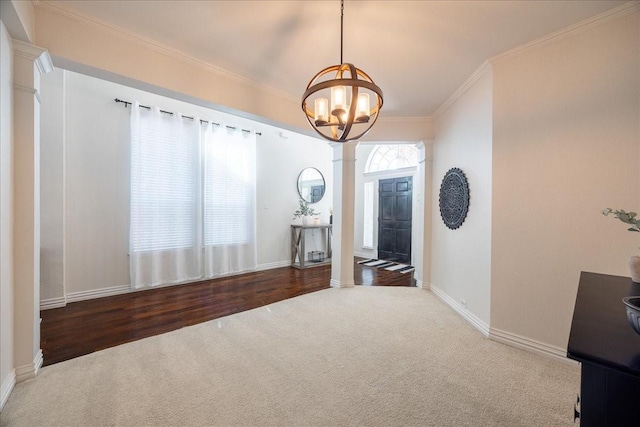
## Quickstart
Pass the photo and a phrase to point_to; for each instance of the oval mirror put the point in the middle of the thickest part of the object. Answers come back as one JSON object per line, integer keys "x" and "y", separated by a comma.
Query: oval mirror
{"x": 311, "y": 185}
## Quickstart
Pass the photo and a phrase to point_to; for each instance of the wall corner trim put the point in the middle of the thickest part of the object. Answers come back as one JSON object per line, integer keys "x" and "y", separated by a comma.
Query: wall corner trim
{"x": 530, "y": 345}
{"x": 7, "y": 387}
{"x": 475, "y": 321}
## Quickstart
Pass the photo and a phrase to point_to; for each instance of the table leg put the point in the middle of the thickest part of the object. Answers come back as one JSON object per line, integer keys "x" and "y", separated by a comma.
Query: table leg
{"x": 302, "y": 252}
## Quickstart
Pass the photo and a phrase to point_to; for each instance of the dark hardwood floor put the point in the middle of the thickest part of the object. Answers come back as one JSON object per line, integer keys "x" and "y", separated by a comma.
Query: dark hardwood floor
{"x": 87, "y": 326}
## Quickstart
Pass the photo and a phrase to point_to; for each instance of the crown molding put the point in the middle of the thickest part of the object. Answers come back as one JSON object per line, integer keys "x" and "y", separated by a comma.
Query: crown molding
{"x": 588, "y": 24}
{"x": 473, "y": 78}
{"x": 602, "y": 18}
{"x": 607, "y": 16}
{"x": 91, "y": 21}
{"x": 405, "y": 119}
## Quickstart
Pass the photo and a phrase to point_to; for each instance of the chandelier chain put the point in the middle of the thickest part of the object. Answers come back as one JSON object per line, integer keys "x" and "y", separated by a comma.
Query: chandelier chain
{"x": 341, "y": 29}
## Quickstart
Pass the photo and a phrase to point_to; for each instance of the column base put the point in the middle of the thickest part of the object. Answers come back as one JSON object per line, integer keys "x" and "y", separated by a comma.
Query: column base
{"x": 29, "y": 371}
{"x": 338, "y": 284}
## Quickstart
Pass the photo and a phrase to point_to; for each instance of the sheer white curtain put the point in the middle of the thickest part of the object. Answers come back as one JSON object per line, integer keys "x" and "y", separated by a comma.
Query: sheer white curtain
{"x": 165, "y": 224}
{"x": 229, "y": 159}
{"x": 192, "y": 199}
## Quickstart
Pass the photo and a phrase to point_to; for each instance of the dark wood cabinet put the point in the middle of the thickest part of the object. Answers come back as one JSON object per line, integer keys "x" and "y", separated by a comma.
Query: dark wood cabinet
{"x": 608, "y": 350}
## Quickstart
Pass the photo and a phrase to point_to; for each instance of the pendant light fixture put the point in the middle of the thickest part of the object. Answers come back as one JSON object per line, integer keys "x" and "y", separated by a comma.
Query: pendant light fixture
{"x": 341, "y": 96}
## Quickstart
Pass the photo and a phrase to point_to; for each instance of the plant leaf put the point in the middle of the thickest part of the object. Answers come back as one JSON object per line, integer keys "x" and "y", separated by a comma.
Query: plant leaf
{"x": 634, "y": 229}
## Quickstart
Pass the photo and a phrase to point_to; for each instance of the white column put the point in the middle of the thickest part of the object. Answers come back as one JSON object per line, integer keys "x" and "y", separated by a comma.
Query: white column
{"x": 28, "y": 64}
{"x": 418, "y": 223}
{"x": 344, "y": 180}
{"x": 425, "y": 168}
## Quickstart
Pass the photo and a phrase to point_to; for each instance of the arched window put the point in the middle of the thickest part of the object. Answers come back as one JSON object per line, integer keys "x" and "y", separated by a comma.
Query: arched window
{"x": 390, "y": 157}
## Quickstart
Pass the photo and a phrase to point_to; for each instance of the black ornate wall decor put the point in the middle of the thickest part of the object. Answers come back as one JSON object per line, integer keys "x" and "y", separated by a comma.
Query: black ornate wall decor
{"x": 454, "y": 198}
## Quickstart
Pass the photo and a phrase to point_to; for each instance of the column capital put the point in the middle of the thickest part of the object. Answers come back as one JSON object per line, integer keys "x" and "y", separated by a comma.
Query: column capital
{"x": 425, "y": 151}
{"x": 344, "y": 151}
{"x": 38, "y": 55}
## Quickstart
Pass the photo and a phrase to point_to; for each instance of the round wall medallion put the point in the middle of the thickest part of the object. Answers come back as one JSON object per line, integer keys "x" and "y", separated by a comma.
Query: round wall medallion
{"x": 454, "y": 198}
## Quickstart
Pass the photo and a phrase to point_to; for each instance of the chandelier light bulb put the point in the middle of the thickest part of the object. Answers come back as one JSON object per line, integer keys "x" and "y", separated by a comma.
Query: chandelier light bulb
{"x": 338, "y": 100}
{"x": 362, "y": 113}
{"x": 321, "y": 111}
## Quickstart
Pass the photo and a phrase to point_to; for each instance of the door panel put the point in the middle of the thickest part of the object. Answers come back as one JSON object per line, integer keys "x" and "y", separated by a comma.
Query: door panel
{"x": 387, "y": 208}
{"x": 394, "y": 219}
{"x": 403, "y": 208}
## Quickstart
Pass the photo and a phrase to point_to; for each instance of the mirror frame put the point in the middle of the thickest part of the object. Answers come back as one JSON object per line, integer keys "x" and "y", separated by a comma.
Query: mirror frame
{"x": 324, "y": 185}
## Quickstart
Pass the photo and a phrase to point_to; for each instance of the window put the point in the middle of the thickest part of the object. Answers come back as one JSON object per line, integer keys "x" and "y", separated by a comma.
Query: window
{"x": 192, "y": 199}
{"x": 389, "y": 157}
{"x": 228, "y": 188}
{"x": 164, "y": 183}
{"x": 367, "y": 235}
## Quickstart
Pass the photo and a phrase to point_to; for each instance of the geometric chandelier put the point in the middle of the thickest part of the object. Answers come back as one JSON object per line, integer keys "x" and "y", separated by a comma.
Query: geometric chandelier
{"x": 341, "y": 98}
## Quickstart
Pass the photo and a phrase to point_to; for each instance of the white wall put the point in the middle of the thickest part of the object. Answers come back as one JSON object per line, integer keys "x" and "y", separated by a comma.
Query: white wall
{"x": 566, "y": 145}
{"x": 461, "y": 258}
{"x": 7, "y": 373}
{"x": 96, "y": 177}
{"x": 280, "y": 160}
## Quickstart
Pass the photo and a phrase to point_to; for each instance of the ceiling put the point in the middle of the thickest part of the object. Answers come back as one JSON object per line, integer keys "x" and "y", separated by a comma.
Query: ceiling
{"x": 418, "y": 52}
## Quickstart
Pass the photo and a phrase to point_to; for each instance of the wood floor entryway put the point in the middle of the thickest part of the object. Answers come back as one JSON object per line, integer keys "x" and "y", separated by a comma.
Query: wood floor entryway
{"x": 86, "y": 326}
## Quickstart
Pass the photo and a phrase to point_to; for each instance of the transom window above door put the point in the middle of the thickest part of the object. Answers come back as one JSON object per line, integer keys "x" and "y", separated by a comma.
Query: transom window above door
{"x": 390, "y": 157}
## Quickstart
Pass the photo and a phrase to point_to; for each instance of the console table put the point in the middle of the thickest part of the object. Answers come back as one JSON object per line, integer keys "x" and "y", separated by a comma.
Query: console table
{"x": 298, "y": 233}
{"x": 608, "y": 350}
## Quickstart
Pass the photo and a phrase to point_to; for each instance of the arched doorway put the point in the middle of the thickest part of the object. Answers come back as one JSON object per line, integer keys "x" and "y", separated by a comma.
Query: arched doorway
{"x": 387, "y": 209}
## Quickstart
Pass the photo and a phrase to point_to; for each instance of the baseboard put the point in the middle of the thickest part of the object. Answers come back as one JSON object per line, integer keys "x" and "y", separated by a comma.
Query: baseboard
{"x": 123, "y": 289}
{"x": 50, "y": 303}
{"x": 272, "y": 265}
{"x": 97, "y": 293}
{"x": 420, "y": 284}
{"x": 365, "y": 255}
{"x": 530, "y": 345}
{"x": 30, "y": 370}
{"x": 37, "y": 362}
{"x": 7, "y": 387}
{"x": 338, "y": 284}
{"x": 475, "y": 321}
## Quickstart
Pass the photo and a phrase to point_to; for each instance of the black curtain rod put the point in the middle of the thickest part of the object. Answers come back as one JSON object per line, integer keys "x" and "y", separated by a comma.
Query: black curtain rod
{"x": 127, "y": 103}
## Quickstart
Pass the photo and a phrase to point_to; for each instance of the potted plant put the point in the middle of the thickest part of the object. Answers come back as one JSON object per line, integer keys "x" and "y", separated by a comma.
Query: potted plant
{"x": 304, "y": 211}
{"x": 629, "y": 218}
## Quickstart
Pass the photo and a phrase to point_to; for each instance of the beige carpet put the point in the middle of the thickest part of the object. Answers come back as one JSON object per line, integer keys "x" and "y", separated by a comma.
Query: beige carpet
{"x": 363, "y": 356}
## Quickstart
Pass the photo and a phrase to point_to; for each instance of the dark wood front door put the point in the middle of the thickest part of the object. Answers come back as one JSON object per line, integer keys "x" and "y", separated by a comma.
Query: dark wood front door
{"x": 394, "y": 219}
